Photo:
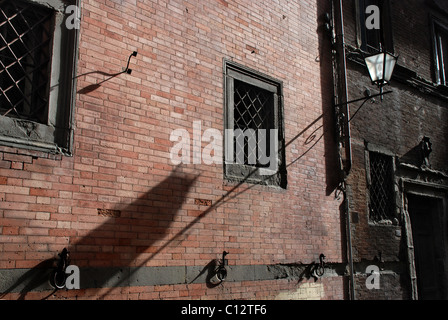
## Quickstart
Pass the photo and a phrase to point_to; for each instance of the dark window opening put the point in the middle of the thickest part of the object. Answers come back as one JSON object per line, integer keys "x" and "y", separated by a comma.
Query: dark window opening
{"x": 254, "y": 115}
{"x": 381, "y": 187}
{"x": 373, "y": 40}
{"x": 428, "y": 225}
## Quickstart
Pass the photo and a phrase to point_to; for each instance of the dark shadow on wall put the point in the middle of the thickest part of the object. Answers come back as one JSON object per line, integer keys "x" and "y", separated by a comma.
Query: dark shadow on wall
{"x": 32, "y": 279}
{"x": 323, "y": 127}
{"x": 325, "y": 60}
{"x": 209, "y": 270}
{"x": 156, "y": 212}
{"x": 416, "y": 156}
{"x": 128, "y": 233}
{"x": 133, "y": 234}
{"x": 329, "y": 134}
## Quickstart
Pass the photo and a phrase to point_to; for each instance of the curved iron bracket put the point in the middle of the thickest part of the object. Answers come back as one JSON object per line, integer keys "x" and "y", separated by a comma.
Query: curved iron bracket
{"x": 127, "y": 70}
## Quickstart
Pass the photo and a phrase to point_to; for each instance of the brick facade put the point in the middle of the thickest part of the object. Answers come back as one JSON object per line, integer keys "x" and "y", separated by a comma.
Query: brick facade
{"x": 119, "y": 205}
{"x": 396, "y": 126}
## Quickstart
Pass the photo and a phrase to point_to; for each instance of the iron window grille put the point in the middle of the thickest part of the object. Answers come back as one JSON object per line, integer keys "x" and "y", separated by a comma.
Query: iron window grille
{"x": 253, "y": 113}
{"x": 381, "y": 187}
{"x": 253, "y": 107}
{"x": 38, "y": 57}
{"x": 25, "y": 59}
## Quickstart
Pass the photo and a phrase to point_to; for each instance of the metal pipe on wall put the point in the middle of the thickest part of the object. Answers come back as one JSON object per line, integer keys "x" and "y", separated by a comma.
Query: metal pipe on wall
{"x": 347, "y": 164}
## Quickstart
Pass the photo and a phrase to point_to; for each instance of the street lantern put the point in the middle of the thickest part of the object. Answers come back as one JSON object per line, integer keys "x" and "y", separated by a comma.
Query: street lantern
{"x": 380, "y": 66}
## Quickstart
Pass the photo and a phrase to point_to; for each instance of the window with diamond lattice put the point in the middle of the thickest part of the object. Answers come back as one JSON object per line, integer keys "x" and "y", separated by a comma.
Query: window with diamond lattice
{"x": 381, "y": 187}
{"x": 25, "y": 42}
{"x": 253, "y": 114}
{"x": 37, "y": 75}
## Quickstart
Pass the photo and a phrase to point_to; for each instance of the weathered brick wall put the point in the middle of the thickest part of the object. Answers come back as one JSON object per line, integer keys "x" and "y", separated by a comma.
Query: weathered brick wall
{"x": 392, "y": 287}
{"x": 397, "y": 125}
{"x": 406, "y": 29}
{"x": 119, "y": 201}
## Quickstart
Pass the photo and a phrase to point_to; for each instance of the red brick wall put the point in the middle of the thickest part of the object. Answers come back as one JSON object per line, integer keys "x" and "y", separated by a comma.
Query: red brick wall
{"x": 121, "y": 158}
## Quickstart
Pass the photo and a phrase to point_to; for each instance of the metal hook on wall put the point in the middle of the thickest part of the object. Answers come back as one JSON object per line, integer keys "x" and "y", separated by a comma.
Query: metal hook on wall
{"x": 109, "y": 76}
{"x": 127, "y": 70}
{"x": 58, "y": 277}
{"x": 319, "y": 269}
{"x": 220, "y": 273}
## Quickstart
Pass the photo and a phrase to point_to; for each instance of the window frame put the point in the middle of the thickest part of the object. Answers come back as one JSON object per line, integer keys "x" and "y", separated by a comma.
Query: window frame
{"x": 385, "y": 37}
{"x": 382, "y": 152}
{"x": 252, "y": 173}
{"x": 56, "y": 135}
{"x": 437, "y": 23}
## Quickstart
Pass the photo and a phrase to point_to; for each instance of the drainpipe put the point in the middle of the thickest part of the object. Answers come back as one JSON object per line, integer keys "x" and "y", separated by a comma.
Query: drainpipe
{"x": 340, "y": 38}
{"x": 349, "y": 245}
{"x": 342, "y": 87}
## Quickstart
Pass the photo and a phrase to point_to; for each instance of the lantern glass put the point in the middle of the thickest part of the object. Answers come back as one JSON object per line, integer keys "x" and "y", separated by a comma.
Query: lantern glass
{"x": 381, "y": 67}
